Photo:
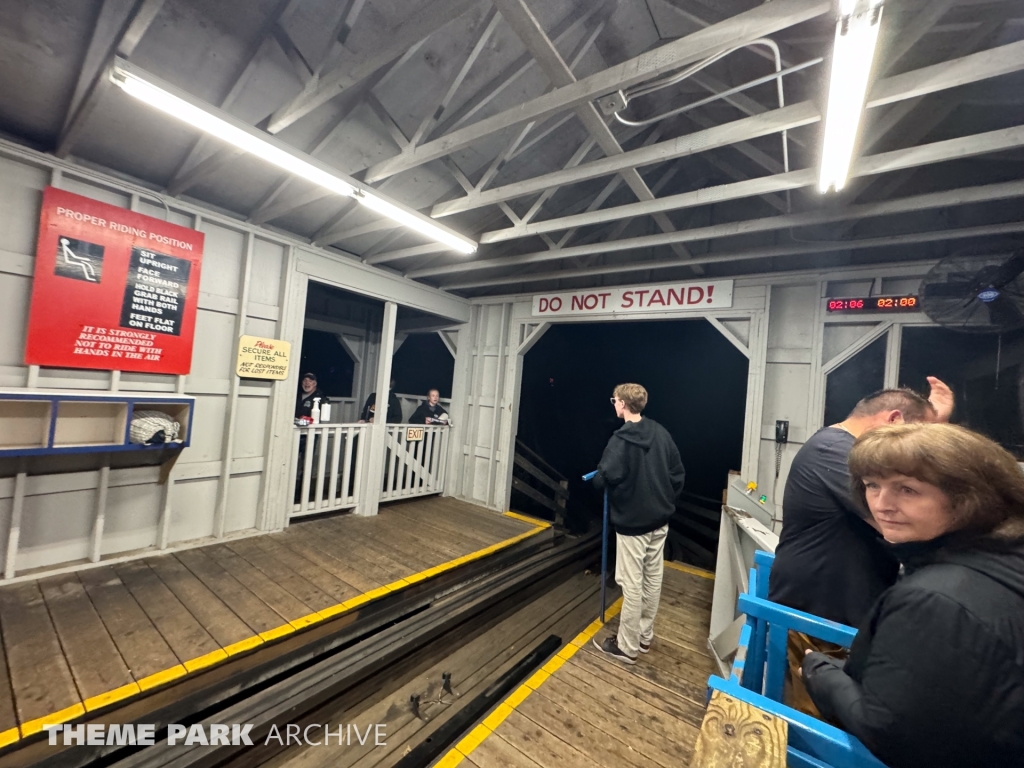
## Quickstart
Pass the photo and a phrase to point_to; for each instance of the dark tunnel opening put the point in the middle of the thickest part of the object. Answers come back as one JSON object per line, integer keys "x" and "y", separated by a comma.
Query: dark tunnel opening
{"x": 696, "y": 382}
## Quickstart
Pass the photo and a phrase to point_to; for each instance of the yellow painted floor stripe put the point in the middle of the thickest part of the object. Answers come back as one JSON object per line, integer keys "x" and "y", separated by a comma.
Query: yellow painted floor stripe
{"x": 690, "y": 569}
{"x": 98, "y": 702}
{"x": 201, "y": 662}
{"x": 473, "y": 739}
{"x": 165, "y": 676}
{"x": 276, "y": 632}
{"x": 215, "y": 657}
{"x": 450, "y": 760}
{"x": 476, "y": 737}
{"x": 243, "y": 645}
{"x": 528, "y": 519}
{"x": 36, "y": 726}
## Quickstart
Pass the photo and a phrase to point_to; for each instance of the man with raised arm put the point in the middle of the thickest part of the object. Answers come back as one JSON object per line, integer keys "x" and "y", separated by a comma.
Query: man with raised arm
{"x": 831, "y": 560}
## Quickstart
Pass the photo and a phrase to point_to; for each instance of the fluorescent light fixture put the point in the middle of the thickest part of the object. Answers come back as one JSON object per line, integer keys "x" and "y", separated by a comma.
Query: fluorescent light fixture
{"x": 852, "y": 56}
{"x": 223, "y": 126}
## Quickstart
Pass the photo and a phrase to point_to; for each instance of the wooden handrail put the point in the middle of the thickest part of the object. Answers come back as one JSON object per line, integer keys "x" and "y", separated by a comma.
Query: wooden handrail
{"x": 539, "y": 474}
{"x": 522, "y": 448}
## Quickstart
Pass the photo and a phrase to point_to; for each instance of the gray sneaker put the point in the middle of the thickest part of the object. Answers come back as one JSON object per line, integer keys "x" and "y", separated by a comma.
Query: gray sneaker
{"x": 645, "y": 647}
{"x": 610, "y": 648}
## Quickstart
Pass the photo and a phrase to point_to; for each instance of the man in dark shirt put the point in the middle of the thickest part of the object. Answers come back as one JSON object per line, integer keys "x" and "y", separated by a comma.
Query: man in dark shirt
{"x": 643, "y": 473}
{"x": 310, "y": 390}
{"x": 430, "y": 412}
{"x": 831, "y": 561}
{"x": 394, "y": 414}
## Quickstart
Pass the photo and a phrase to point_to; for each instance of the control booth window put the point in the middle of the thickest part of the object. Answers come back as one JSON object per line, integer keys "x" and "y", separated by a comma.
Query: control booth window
{"x": 984, "y": 370}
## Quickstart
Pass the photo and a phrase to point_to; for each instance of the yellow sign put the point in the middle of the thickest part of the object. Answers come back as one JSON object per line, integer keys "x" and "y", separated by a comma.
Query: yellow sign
{"x": 263, "y": 358}
{"x": 412, "y": 434}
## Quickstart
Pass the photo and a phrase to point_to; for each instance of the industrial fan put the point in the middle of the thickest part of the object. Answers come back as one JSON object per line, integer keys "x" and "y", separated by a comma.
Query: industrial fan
{"x": 980, "y": 294}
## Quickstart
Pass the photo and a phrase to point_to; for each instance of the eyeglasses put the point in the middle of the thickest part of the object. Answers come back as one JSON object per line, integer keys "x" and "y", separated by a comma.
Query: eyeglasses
{"x": 613, "y": 400}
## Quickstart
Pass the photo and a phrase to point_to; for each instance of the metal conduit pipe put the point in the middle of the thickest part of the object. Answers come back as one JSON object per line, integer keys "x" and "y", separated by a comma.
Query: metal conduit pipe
{"x": 617, "y": 103}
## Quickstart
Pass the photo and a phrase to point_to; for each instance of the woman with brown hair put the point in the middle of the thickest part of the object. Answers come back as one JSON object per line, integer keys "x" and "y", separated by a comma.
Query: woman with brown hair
{"x": 936, "y": 673}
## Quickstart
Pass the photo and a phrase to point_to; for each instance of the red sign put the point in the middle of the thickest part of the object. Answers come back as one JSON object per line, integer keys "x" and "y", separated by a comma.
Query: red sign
{"x": 113, "y": 289}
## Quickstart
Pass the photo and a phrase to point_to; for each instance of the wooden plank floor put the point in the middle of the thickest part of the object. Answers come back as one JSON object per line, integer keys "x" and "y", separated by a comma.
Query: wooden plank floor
{"x": 80, "y": 641}
{"x": 587, "y": 711}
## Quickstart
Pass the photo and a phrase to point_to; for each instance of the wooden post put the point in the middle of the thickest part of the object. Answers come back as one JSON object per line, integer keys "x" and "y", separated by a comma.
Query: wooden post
{"x": 735, "y": 734}
{"x": 375, "y": 459}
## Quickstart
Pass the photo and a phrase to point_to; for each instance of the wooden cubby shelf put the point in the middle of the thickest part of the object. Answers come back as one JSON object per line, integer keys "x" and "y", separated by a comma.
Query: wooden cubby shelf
{"x": 38, "y": 423}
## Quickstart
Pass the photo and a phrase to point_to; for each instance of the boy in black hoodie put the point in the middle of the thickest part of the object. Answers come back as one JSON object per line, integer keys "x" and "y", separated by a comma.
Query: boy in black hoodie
{"x": 643, "y": 473}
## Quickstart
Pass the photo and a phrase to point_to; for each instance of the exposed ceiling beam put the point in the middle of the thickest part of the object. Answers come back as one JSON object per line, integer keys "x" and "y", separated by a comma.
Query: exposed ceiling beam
{"x": 966, "y": 196}
{"x": 122, "y": 44}
{"x": 490, "y": 23}
{"x": 926, "y": 118}
{"x": 266, "y": 210}
{"x": 528, "y": 29}
{"x": 885, "y": 162}
{"x": 911, "y": 33}
{"x": 978, "y": 66}
{"x": 593, "y": 18}
{"x": 580, "y": 15}
{"x": 892, "y": 241}
{"x": 418, "y": 25}
{"x": 190, "y": 172}
{"x": 744, "y": 129}
{"x": 762, "y": 20}
{"x": 114, "y": 15}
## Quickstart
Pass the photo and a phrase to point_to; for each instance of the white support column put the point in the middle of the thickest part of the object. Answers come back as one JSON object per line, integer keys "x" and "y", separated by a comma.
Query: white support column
{"x": 14, "y": 531}
{"x": 227, "y": 453}
{"x": 95, "y": 549}
{"x": 280, "y": 492}
{"x": 892, "y": 357}
{"x": 756, "y": 362}
{"x": 462, "y": 389}
{"x": 370, "y": 502}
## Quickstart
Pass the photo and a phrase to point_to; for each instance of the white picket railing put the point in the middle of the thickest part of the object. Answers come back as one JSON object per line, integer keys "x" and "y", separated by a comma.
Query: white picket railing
{"x": 414, "y": 467}
{"x": 327, "y": 467}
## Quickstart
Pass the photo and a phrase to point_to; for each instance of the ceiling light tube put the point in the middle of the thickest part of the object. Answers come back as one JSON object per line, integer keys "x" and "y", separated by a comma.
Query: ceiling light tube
{"x": 852, "y": 57}
{"x": 178, "y": 104}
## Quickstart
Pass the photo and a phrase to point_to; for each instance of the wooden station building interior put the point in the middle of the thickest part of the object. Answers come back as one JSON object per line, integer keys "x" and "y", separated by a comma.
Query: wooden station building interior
{"x": 245, "y": 175}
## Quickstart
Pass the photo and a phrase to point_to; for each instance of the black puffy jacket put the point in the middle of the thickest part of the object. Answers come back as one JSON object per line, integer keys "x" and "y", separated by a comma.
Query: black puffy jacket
{"x": 936, "y": 673}
{"x": 642, "y": 470}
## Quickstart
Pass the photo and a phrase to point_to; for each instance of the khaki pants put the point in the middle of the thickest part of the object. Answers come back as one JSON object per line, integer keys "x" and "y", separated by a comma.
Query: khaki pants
{"x": 795, "y": 694}
{"x": 639, "y": 568}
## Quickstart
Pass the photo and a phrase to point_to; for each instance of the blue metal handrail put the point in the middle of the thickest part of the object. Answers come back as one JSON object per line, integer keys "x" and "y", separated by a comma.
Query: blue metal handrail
{"x": 604, "y": 544}
{"x": 758, "y": 674}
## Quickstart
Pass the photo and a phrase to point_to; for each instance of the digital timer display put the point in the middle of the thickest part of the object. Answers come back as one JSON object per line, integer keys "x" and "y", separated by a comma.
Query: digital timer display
{"x": 876, "y": 304}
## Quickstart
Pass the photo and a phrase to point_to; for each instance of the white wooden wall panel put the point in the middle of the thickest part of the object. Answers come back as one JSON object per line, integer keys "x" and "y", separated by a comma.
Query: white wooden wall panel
{"x": 257, "y": 326}
{"x": 207, "y": 430}
{"x": 265, "y": 285}
{"x": 132, "y": 518}
{"x": 221, "y": 272}
{"x": 60, "y": 508}
{"x": 249, "y": 426}
{"x": 72, "y": 378}
{"x": 243, "y": 502}
{"x": 192, "y": 506}
{"x": 15, "y": 292}
{"x": 836, "y": 338}
{"x": 55, "y": 527}
{"x": 20, "y": 197}
{"x": 103, "y": 192}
